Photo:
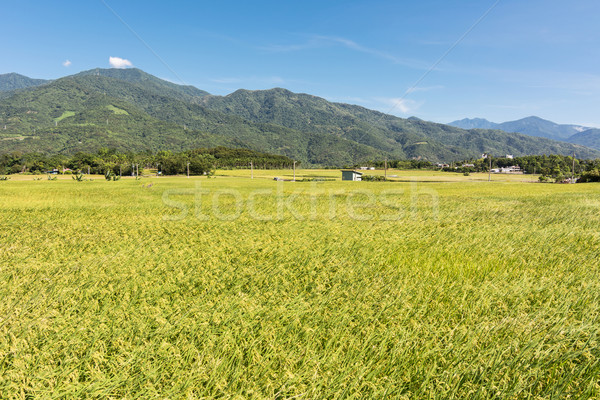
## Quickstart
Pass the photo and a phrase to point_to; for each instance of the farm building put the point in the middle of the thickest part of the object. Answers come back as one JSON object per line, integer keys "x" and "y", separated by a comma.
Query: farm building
{"x": 351, "y": 175}
{"x": 513, "y": 169}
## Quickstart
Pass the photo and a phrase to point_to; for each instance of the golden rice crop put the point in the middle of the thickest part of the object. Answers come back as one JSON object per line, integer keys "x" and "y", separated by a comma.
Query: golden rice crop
{"x": 241, "y": 288}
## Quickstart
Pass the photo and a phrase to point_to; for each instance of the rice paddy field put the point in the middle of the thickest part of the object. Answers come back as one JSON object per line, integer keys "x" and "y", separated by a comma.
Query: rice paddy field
{"x": 435, "y": 285}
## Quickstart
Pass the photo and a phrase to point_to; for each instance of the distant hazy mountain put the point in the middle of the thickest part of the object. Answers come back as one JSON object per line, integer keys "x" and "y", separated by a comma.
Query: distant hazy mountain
{"x": 535, "y": 126}
{"x": 474, "y": 123}
{"x": 589, "y": 138}
{"x": 14, "y": 81}
{"x": 132, "y": 110}
{"x": 532, "y": 126}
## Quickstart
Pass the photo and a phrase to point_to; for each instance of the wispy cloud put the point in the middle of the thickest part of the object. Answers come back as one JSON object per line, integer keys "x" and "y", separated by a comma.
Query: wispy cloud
{"x": 66, "y": 63}
{"x": 424, "y": 88}
{"x": 226, "y": 80}
{"x": 405, "y": 106}
{"x": 318, "y": 41}
{"x": 117, "y": 62}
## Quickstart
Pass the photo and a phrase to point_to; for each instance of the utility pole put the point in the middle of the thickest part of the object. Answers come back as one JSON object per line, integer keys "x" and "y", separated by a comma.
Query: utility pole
{"x": 385, "y": 169}
{"x": 137, "y": 170}
{"x": 188, "y": 169}
{"x": 573, "y": 170}
{"x": 251, "y": 170}
{"x": 294, "y": 171}
{"x": 88, "y": 169}
{"x": 490, "y": 169}
{"x": 120, "y": 170}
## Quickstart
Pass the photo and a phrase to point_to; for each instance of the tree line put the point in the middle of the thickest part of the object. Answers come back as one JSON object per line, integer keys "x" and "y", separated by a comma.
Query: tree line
{"x": 552, "y": 166}
{"x": 199, "y": 161}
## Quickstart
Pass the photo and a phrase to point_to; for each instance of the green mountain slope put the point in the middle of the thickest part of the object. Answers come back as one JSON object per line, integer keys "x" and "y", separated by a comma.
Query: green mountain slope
{"x": 67, "y": 116}
{"x": 589, "y": 138}
{"x": 71, "y": 114}
{"x": 14, "y": 81}
{"x": 411, "y": 137}
{"x": 150, "y": 83}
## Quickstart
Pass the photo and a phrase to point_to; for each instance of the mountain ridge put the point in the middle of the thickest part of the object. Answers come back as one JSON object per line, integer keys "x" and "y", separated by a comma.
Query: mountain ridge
{"x": 532, "y": 126}
{"x": 13, "y": 81}
{"x": 132, "y": 109}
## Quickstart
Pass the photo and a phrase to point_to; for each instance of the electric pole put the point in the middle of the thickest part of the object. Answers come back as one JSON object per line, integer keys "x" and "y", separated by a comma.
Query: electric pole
{"x": 385, "y": 169}
{"x": 188, "y": 169}
{"x": 251, "y": 170}
{"x": 294, "y": 171}
{"x": 490, "y": 169}
{"x": 573, "y": 170}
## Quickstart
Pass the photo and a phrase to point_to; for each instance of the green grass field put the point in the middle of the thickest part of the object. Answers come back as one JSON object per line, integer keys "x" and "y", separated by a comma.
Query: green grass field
{"x": 438, "y": 286}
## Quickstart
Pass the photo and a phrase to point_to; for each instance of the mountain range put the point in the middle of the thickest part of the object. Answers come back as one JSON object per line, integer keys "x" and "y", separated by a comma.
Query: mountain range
{"x": 130, "y": 110}
{"x": 535, "y": 126}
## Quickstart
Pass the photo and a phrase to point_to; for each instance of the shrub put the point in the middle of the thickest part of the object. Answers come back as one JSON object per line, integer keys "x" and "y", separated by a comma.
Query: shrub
{"x": 78, "y": 177}
{"x": 373, "y": 178}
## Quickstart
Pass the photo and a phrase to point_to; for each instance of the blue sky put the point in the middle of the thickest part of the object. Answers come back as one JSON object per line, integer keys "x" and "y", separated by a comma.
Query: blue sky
{"x": 524, "y": 58}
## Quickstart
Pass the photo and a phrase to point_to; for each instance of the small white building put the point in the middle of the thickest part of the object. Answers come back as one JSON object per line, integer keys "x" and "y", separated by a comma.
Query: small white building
{"x": 510, "y": 156}
{"x": 513, "y": 169}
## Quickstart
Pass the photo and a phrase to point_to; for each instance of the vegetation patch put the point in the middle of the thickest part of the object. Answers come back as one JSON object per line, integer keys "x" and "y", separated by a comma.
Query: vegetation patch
{"x": 117, "y": 110}
{"x": 64, "y": 115}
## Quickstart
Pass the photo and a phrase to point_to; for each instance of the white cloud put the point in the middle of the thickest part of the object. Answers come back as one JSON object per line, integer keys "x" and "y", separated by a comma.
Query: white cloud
{"x": 66, "y": 63}
{"x": 117, "y": 62}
